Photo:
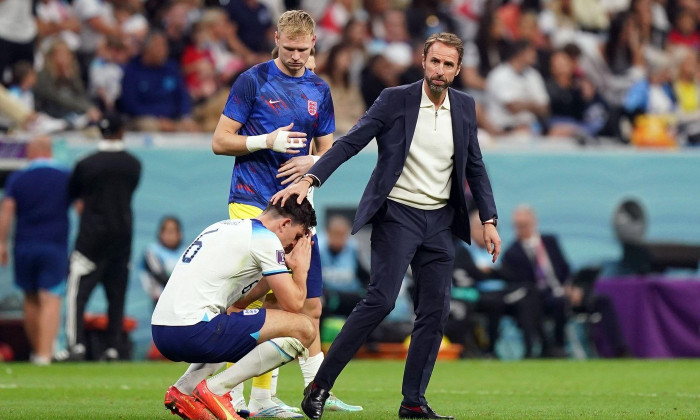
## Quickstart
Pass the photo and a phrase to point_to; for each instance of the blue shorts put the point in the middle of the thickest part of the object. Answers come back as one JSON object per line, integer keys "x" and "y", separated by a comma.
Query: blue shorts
{"x": 225, "y": 338}
{"x": 41, "y": 266}
{"x": 314, "y": 280}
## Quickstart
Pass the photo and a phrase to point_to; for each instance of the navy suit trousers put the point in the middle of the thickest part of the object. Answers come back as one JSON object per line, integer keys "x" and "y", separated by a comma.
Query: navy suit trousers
{"x": 402, "y": 235}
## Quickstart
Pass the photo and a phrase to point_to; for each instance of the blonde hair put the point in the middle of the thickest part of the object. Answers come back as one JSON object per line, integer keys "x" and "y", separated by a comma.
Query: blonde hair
{"x": 296, "y": 23}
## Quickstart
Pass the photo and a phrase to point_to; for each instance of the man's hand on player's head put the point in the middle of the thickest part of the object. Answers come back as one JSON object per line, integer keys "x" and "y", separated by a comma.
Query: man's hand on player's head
{"x": 299, "y": 258}
{"x": 301, "y": 187}
{"x": 294, "y": 168}
{"x": 284, "y": 141}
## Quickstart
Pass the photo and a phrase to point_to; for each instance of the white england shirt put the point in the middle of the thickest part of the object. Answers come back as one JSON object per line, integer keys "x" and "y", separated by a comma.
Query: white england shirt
{"x": 222, "y": 265}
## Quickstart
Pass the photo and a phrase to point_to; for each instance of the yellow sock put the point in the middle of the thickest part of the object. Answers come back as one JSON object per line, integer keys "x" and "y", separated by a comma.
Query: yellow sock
{"x": 263, "y": 381}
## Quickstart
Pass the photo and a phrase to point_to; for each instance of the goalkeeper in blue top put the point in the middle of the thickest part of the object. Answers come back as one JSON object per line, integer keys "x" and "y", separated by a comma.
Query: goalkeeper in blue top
{"x": 273, "y": 114}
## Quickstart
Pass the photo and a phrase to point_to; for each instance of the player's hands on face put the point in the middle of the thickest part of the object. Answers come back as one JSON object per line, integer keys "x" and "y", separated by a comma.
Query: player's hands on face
{"x": 295, "y": 168}
{"x": 492, "y": 240}
{"x": 301, "y": 188}
{"x": 284, "y": 141}
{"x": 299, "y": 258}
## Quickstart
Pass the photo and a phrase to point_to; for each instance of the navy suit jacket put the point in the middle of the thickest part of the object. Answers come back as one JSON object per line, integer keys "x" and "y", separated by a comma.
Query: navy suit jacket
{"x": 392, "y": 120}
{"x": 521, "y": 269}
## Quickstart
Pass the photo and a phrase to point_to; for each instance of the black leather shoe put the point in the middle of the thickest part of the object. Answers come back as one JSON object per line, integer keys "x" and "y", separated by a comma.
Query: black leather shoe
{"x": 419, "y": 412}
{"x": 314, "y": 400}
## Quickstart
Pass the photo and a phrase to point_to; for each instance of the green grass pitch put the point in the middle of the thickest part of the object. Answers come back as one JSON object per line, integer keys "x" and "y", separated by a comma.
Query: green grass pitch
{"x": 624, "y": 389}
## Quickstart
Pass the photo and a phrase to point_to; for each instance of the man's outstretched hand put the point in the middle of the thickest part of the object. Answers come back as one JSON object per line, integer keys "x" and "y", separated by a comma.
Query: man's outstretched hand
{"x": 301, "y": 187}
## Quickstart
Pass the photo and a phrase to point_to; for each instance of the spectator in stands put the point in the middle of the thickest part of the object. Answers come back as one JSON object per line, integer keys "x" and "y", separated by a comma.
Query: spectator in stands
{"x": 528, "y": 30}
{"x": 154, "y": 94}
{"x": 427, "y": 17}
{"x": 56, "y": 21}
{"x": 517, "y": 97}
{"x": 538, "y": 260}
{"x": 97, "y": 20}
{"x": 23, "y": 82}
{"x": 60, "y": 91}
{"x": 17, "y": 33}
{"x": 375, "y": 10}
{"x": 36, "y": 197}
{"x": 653, "y": 94}
{"x": 620, "y": 64}
{"x": 686, "y": 86}
{"x": 651, "y": 21}
{"x": 577, "y": 110}
{"x": 175, "y": 26}
{"x": 216, "y": 35}
{"x": 379, "y": 74}
{"x": 489, "y": 49}
{"x": 356, "y": 36}
{"x": 345, "y": 277}
{"x": 103, "y": 185}
{"x": 333, "y": 21}
{"x": 160, "y": 257}
{"x": 106, "y": 72}
{"x": 347, "y": 99}
{"x": 254, "y": 26}
{"x": 133, "y": 25}
{"x": 22, "y": 89}
{"x": 685, "y": 33}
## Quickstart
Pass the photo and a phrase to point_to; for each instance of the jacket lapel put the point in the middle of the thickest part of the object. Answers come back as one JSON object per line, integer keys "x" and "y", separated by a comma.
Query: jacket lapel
{"x": 411, "y": 106}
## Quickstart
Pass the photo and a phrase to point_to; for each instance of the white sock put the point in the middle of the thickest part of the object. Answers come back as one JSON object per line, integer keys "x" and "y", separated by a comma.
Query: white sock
{"x": 238, "y": 389}
{"x": 273, "y": 381}
{"x": 309, "y": 367}
{"x": 196, "y": 373}
{"x": 260, "y": 394}
{"x": 262, "y": 359}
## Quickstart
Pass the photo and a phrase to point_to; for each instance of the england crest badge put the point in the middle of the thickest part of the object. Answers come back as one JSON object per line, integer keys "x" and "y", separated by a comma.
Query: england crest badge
{"x": 312, "y": 107}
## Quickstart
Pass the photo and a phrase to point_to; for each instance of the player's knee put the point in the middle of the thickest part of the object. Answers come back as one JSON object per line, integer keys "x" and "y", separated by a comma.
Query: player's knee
{"x": 306, "y": 331}
{"x": 313, "y": 308}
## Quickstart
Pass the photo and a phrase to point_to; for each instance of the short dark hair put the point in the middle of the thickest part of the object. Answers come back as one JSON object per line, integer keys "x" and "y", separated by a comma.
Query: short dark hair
{"x": 448, "y": 39}
{"x": 303, "y": 214}
{"x": 111, "y": 125}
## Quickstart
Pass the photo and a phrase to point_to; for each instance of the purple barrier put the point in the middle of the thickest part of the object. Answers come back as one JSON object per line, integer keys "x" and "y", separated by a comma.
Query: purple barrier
{"x": 659, "y": 317}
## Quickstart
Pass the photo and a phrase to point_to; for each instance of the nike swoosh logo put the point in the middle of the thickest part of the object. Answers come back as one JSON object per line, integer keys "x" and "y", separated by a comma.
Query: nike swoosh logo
{"x": 273, "y": 102}
{"x": 228, "y": 413}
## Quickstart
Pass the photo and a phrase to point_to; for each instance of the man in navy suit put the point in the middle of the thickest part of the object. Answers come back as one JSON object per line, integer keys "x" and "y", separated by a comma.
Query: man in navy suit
{"x": 415, "y": 201}
{"x": 536, "y": 261}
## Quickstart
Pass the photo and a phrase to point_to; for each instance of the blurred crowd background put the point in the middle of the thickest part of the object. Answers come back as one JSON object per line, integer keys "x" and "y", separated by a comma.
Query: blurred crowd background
{"x": 625, "y": 70}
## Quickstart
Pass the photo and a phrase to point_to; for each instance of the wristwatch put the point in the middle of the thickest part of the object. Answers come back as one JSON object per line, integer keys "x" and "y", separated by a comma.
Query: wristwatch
{"x": 492, "y": 221}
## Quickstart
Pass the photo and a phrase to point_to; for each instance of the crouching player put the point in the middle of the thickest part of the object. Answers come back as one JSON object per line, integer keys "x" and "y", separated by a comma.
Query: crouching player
{"x": 231, "y": 261}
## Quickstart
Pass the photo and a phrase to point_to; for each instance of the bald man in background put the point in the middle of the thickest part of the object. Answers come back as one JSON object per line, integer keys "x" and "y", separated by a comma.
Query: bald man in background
{"x": 36, "y": 197}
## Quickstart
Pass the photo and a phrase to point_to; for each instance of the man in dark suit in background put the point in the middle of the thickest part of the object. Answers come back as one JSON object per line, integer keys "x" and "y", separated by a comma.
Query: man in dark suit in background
{"x": 103, "y": 186}
{"x": 415, "y": 201}
{"x": 538, "y": 260}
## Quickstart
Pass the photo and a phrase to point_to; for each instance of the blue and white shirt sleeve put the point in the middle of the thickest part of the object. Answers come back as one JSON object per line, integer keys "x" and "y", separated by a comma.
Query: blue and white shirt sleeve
{"x": 266, "y": 250}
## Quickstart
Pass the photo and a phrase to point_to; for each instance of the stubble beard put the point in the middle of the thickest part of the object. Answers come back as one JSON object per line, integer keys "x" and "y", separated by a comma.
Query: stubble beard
{"x": 435, "y": 88}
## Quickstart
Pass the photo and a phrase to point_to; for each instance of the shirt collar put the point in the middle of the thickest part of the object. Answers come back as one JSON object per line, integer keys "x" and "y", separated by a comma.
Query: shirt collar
{"x": 110, "y": 146}
{"x": 425, "y": 102}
